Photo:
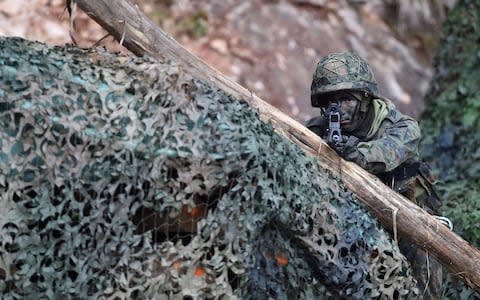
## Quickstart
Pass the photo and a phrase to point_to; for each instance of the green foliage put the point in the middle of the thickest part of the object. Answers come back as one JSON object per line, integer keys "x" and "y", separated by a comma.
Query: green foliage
{"x": 451, "y": 123}
{"x": 106, "y": 163}
{"x": 196, "y": 25}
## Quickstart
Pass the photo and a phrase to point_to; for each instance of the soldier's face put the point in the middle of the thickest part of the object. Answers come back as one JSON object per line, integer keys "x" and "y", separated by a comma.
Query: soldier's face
{"x": 349, "y": 105}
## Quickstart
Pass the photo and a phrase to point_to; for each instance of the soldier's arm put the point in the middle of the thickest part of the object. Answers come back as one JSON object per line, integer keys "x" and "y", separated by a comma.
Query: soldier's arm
{"x": 397, "y": 144}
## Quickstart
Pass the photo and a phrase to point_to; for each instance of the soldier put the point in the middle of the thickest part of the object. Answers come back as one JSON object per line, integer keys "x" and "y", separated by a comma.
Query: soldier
{"x": 367, "y": 129}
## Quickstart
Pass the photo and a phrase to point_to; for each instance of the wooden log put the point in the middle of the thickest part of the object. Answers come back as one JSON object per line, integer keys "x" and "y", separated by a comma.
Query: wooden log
{"x": 140, "y": 35}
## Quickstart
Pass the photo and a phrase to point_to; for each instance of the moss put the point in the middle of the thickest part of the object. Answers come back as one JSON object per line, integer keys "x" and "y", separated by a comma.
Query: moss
{"x": 195, "y": 25}
{"x": 451, "y": 122}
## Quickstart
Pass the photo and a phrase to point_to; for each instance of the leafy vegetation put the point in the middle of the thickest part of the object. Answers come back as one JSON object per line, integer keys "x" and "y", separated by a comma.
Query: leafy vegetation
{"x": 451, "y": 123}
{"x": 193, "y": 24}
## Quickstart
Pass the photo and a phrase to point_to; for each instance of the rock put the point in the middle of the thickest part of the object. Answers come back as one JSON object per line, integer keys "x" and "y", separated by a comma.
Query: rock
{"x": 287, "y": 38}
{"x": 279, "y": 42}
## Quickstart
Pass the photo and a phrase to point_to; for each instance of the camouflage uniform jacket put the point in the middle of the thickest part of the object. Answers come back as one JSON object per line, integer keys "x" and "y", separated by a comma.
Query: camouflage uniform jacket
{"x": 393, "y": 144}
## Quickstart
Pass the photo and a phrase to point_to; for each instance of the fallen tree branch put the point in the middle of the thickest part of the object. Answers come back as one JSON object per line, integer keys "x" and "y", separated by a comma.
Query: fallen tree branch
{"x": 140, "y": 35}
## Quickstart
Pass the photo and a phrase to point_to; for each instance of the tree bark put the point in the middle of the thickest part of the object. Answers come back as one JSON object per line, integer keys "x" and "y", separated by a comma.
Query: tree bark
{"x": 139, "y": 34}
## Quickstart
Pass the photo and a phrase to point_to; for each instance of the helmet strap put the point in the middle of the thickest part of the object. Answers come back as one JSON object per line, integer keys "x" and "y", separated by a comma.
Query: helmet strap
{"x": 357, "y": 117}
{"x": 364, "y": 105}
{"x": 357, "y": 111}
{"x": 364, "y": 99}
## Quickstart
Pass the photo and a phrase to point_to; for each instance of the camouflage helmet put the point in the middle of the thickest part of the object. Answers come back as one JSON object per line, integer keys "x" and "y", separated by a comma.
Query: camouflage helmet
{"x": 342, "y": 71}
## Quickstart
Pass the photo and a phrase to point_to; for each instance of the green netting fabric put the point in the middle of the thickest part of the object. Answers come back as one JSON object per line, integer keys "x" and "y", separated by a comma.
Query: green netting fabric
{"x": 125, "y": 178}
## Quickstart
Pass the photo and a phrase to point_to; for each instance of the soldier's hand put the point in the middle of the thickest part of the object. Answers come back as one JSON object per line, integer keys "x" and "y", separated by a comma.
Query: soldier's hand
{"x": 346, "y": 146}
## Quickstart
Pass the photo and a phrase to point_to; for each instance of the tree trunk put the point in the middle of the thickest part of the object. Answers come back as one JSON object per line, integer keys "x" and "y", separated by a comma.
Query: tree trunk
{"x": 140, "y": 35}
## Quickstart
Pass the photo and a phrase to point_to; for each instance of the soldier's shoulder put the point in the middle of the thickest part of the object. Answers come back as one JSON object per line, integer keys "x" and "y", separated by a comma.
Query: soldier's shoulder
{"x": 394, "y": 115}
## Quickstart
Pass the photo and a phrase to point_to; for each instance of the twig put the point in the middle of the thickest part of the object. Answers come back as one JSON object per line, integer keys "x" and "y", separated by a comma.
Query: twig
{"x": 72, "y": 11}
{"x": 394, "y": 224}
{"x": 101, "y": 39}
{"x": 428, "y": 274}
{"x": 124, "y": 31}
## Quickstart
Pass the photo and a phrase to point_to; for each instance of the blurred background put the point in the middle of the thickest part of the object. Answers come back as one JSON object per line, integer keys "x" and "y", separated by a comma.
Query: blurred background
{"x": 272, "y": 46}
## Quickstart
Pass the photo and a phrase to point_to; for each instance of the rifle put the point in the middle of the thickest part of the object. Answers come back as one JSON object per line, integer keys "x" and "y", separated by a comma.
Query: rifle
{"x": 334, "y": 113}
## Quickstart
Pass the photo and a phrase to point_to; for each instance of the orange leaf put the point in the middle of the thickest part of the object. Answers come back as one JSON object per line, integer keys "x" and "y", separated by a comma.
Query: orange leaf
{"x": 281, "y": 260}
{"x": 196, "y": 211}
{"x": 176, "y": 265}
{"x": 199, "y": 271}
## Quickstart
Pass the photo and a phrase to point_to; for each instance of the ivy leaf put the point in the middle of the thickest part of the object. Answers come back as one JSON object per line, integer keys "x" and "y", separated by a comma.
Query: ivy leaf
{"x": 469, "y": 118}
{"x": 16, "y": 149}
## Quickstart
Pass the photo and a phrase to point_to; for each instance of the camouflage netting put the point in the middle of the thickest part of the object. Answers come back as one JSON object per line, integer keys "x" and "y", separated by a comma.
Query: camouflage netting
{"x": 451, "y": 126}
{"x": 125, "y": 178}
